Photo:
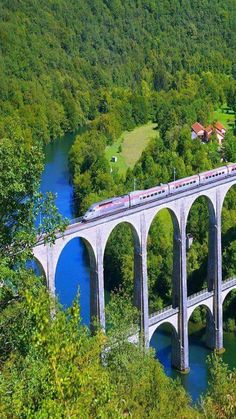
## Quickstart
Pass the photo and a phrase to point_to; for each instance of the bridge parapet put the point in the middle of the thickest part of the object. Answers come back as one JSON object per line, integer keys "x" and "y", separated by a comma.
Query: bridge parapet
{"x": 199, "y": 297}
{"x": 162, "y": 314}
{"x": 228, "y": 283}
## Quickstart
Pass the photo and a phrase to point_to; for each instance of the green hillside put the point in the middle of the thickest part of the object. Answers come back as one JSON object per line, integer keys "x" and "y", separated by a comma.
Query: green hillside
{"x": 57, "y": 59}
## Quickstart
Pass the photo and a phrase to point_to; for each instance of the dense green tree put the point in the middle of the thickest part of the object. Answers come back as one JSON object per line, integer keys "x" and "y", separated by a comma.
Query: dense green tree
{"x": 220, "y": 399}
{"x": 230, "y": 147}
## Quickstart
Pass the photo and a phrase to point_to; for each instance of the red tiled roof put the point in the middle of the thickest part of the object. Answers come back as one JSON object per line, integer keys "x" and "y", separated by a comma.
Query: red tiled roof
{"x": 219, "y": 126}
{"x": 197, "y": 127}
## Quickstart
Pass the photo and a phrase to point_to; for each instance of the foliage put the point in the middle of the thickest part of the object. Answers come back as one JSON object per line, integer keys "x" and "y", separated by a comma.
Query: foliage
{"x": 61, "y": 68}
{"x": 230, "y": 325}
{"x": 21, "y": 203}
{"x": 59, "y": 373}
{"x": 55, "y": 368}
{"x": 220, "y": 399}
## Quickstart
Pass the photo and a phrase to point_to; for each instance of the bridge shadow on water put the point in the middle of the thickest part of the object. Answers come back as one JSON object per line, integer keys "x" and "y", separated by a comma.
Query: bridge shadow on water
{"x": 196, "y": 381}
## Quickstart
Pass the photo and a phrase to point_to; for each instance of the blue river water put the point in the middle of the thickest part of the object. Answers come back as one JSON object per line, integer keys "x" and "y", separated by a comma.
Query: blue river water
{"x": 72, "y": 276}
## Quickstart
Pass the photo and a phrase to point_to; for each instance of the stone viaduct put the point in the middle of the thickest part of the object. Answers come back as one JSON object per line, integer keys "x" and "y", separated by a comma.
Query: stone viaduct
{"x": 95, "y": 235}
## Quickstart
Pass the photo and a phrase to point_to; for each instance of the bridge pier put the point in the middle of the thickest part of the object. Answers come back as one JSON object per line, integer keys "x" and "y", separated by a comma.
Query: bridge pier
{"x": 210, "y": 331}
{"x": 50, "y": 269}
{"x": 141, "y": 282}
{"x": 217, "y": 303}
{"x": 97, "y": 300}
{"x": 215, "y": 328}
{"x": 180, "y": 351}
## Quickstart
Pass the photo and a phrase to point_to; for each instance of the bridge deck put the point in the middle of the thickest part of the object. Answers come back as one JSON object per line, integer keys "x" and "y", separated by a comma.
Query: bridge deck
{"x": 77, "y": 224}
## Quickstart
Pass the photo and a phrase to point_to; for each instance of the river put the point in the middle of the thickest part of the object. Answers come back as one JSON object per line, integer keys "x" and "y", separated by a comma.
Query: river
{"x": 73, "y": 274}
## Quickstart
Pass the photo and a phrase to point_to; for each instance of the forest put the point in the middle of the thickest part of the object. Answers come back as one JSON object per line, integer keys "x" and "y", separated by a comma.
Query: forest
{"x": 109, "y": 66}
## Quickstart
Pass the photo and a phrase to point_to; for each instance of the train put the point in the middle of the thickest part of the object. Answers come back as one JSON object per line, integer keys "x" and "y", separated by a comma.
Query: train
{"x": 134, "y": 198}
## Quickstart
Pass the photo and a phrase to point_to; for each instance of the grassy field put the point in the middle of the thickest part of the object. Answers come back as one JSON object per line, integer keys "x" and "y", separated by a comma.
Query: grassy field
{"x": 225, "y": 116}
{"x": 129, "y": 146}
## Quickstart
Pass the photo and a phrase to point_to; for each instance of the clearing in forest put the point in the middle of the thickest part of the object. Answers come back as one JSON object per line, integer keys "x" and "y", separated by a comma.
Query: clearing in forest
{"x": 225, "y": 115}
{"x": 130, "y": 145}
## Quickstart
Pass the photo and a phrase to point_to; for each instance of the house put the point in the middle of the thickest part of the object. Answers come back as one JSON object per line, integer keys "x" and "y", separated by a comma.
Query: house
{"x": 220, "y": 131}
{"x": 219, "y": 127}
{"x": 204, "y": 134}
{"x": 197, "y": 131}
{"x": 207, "y": 132}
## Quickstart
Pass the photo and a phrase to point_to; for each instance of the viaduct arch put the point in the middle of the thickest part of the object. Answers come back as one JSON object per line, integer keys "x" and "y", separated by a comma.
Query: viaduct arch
{"x": 96, "y": 233}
